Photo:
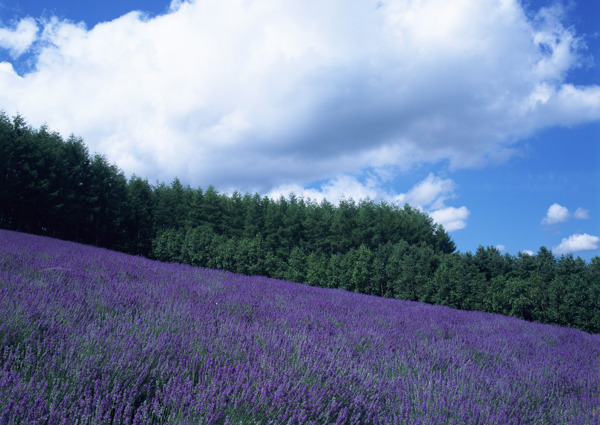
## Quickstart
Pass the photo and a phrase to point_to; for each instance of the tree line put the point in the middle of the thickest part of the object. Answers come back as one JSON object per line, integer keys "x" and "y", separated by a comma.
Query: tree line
{"x": 55, "y": 187}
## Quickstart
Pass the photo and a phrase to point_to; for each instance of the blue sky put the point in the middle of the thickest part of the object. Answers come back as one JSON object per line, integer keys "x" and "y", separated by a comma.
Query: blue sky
{"x": 484, "y": 113}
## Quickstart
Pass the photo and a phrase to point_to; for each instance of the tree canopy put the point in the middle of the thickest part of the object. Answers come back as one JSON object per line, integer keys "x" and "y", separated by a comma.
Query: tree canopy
{"x": 55, "y": 187}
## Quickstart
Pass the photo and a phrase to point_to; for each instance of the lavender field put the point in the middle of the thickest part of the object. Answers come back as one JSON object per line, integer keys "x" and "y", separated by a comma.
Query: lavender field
{"x": 90, "y": 336}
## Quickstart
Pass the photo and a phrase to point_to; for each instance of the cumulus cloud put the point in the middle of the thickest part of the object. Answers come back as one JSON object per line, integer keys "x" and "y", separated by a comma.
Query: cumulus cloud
{"x": 451, "y": 218}
{"x": 433, "y": 192}
{"x": 257, "y": 95}
{"x": 501, "y": 247}
{"x": 577, "y": 242}
{"x": 556, "y": 214}
{"x": 342, "y": 187}
{"x": 18, "y": 40}
{"x": 529, "y": 252}
{"x": 429, "y": 195}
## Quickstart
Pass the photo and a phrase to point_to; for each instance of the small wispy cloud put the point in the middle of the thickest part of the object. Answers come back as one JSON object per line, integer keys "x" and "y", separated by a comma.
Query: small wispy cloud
{"x": 582, "y": 214}
{"x": 342, "y": 187}
{"x": 18, "y": 39}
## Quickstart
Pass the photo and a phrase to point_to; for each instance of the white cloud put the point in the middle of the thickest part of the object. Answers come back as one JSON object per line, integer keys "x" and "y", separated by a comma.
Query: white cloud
{"x": 334, "y": 190}
{"x": 18, "y": 40}
{"x": 252, "y": 95}
{"x": 582, "y": 214}
{"x": 501, "y": 247}
{"x": 559, "y": 214}
{"x": 451, "y": 218}
{"x": 529, "y": 252}
{"x": 176, "y": 5}
{"x": 556, "y": 214}
{"x": 577, "y": 242}
{"x": 429, "y": 196}
{"x": 432, "y": 192}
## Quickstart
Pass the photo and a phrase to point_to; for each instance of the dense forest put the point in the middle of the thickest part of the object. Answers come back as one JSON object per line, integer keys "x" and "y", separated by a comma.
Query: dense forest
{"x": 54, "y": 187}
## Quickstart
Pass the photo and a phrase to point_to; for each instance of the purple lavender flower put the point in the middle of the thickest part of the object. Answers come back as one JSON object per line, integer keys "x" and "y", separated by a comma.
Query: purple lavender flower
{"x": 95, "y": 336}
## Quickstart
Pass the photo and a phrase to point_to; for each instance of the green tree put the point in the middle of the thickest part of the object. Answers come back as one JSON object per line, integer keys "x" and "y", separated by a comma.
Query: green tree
{"x": 140, "y": 219}
{"x": 518, "y": 295}
{"x": 7, "y": 149}
{"x": 496, "y": 299}
{"x": 250, "y": 256}
{"x": 225, "y": 253}
{"x": 366, "y": 222}
{"x": 196, "y": 211}
{"x": 443, "y": 242}
{"x": 179, "y": 203}
{"x": 449, "y": 285}
{"x": 293, "y": 222}
{"x": 253, "y": 215}
{"x": 273, "y": 230}
{"x": 110, "y": 206}
{"x": 417, "y": 266}
{"x": 213, "y": 212}
{"x": 394, "y": 270}
{"x": 477, "y": 283}
{"x": 235, "y": 215}
{"x": 79, "y": 202}
{"x": 362, "y": 270}
{"x": 491, "y": 262}
{"x": 316, "y": 273}
{"x": 297, "y": 266}
{"x": 167, "y": 245}
{"x": 343, "y": 227}
{"x": 198, "y": 247}
{"x": 592, "y": 279}
{"x": 569, "y": 296}
{"x": 336, "y": 273}
{"x": 414, "y": 226}
{"x": 378, "y": 281}
{"x": 317, "y": 225}
{"x": 163, "y": 217}
{"x": 346, "y": 278}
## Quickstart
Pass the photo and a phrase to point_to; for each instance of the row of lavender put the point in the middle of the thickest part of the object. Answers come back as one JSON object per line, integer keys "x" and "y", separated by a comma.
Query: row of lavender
{"x": 91, "y": 336}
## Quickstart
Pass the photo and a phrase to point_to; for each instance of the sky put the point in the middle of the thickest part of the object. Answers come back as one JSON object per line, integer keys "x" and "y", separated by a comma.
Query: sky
{"x": 483, "y": 113}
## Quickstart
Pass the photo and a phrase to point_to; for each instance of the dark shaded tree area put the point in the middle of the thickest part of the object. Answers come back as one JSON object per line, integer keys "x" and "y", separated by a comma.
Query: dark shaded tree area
{"x": 54, "y": 187}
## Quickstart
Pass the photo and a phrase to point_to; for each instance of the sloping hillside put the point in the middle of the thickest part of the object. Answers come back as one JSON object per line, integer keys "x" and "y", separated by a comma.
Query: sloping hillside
{"x": 92, "y": 336}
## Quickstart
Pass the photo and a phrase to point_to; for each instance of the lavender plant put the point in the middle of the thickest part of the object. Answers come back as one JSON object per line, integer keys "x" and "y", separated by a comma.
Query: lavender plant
{"x": 90, "y": 336}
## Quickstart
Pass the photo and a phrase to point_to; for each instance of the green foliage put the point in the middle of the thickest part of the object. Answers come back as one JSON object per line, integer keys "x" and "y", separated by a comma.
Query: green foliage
{"x": 447, "y": 286}
{"x": 55, "y": 187}
{"x": 139, "y": 216}
{"x": 296, "y": 266}
{"x": 316, "y": 269}
{"x": 361, "y": 270}
{"x": 516, "y": 294}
